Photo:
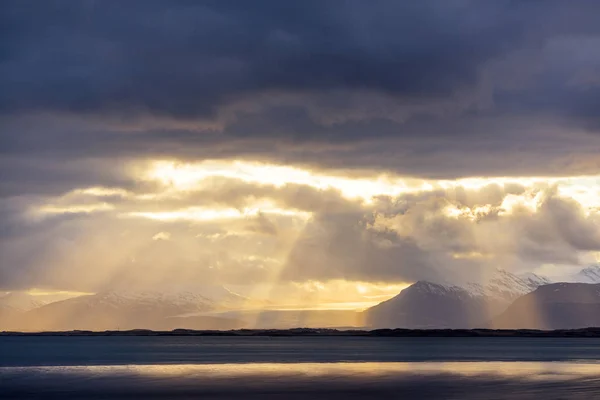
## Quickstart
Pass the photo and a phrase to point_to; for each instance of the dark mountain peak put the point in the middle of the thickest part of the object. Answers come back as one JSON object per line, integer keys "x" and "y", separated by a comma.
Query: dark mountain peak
{"x": 566, "y": 292}
{"x": 428, "y": 305}
{"x": 554, "y": 306}
{"x": 434, "y": 288}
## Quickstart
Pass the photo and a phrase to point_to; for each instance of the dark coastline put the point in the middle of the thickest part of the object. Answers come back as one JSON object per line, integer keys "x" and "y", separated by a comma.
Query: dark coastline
{"x": 567, "y": 333}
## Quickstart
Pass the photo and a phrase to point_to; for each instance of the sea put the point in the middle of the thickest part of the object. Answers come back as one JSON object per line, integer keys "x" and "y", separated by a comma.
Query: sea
{"x": 324, "y": 367}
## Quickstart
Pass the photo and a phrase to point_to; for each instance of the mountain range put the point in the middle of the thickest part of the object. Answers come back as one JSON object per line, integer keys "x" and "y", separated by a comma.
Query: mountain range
{"x": 440, "y": 305}
{"x": 503, "y": 300}
{"x": 130, "y": 309}
{"x": 20, "y": 301}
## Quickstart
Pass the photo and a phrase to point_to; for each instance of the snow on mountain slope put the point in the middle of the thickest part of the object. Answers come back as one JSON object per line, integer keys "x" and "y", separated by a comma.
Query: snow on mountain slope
{"x": 198, "y": 298}
{"x": 535, "y": 280}
{"x": 439, "y": 289}
{"x": 445, "y": 305}
{"x": 590, "y": 274}
{"x": 505, "y": 286}
{"x": 172, "y": 302}
{"x": 501, "y": 285}
{"x": 112, "y": 310}
{"x": 128, "y": 309}
{"x": 20, "y": 301}
{"x": 429, "y": 305}
{"x": 185, "y": 301}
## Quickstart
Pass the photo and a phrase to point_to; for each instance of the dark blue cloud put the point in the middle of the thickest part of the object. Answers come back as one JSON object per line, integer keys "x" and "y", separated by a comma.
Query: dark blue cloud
{"x": 433, "y": 88}
{"x": 184, "y": 58}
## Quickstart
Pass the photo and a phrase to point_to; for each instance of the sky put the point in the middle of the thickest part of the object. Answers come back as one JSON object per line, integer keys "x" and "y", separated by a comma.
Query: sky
{"x": 337, "y": 149}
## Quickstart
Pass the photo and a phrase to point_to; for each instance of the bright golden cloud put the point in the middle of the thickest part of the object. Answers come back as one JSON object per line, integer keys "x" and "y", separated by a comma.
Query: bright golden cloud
{"x": 182, "y": 177}
{"x": 176, "y": 178}
{"x": 50, "y": 209}
{"x": 212, "y": 214}
{"x": 189, "y": 176}
{"x": 235, "y": 221}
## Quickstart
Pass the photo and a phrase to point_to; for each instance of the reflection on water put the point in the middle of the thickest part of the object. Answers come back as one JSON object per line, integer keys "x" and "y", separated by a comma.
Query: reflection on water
{"x": 298, "y": 368}
{"x": 424, "y": 380}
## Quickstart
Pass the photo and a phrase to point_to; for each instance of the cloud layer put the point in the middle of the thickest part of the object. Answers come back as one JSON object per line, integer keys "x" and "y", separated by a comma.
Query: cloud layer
{"x": 206, "y": 225}
{"x": 439, "y": 88}
{"x": 314, "y": 140}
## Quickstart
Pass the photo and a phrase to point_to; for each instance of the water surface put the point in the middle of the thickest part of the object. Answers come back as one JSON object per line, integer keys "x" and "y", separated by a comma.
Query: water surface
{"x": 298, "y": 368}
{"x": 123, "y": 350}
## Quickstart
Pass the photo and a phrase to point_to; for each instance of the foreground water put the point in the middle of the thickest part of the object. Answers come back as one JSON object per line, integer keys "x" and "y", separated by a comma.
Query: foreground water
{"x": 298, "y": 368}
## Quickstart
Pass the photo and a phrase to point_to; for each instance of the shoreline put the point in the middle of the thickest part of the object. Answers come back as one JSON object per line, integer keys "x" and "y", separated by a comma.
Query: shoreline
{"x": 315, "y": 332}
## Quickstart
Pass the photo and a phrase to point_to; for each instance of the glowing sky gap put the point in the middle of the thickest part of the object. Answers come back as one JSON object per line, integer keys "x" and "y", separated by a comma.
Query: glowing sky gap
{"x": 207, "y": 214}
{"x": 189, "y": 176}
{"x": 181, "y": 176}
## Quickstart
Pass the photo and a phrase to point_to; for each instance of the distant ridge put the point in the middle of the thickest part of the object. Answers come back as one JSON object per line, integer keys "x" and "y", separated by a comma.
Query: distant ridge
{"x": 423, "y": 305}
{"x": 159, "y": 310}
{"x": 582, "y": 333}
{"x": 556, "y": 306}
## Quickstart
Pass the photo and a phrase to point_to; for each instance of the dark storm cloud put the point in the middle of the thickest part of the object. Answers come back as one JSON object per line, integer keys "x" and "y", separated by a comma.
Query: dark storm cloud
{"x": 430, "y": 88}
{"x": 186, "y": 59}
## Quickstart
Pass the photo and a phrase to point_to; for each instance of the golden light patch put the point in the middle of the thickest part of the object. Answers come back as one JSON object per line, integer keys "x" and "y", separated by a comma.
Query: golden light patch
{"x": 362, "y": 289}
{"x": 100, "y": 191}
{"x": 471, "y": 255}
{"x": 191, "y": 213}
{"x": 529, "y": 201}
{"x": 174, "y": 178}
{"x": 212, "y": 214}
{"x": 162, "y": 236}
{"x": 189, "y": 176}
{"x": 472, "y": 213}
{"x": 42, "y": 292}
{"x": 181, "y": 176}
{"x": 343, "y": 295}
{"x": 73, "y": 209}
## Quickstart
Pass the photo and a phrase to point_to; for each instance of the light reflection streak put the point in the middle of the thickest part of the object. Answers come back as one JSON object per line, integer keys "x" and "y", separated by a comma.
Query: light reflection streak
{"x": 523, "y": 369}
{"x": 465, "y": 381}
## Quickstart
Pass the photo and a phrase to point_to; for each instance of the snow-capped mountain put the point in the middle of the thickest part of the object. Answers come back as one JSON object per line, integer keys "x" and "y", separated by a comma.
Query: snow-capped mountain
{"x": 533, "y": 281}
{"x": 505, "y": 286}
{"x": 158, "y": 302}
{"x": 590, "y": 274}
{"x": 128, "y": 309}
{"x": 429, "y": 305}
{"x": 170, "y": 302}
{"x": 446, "y": 305}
